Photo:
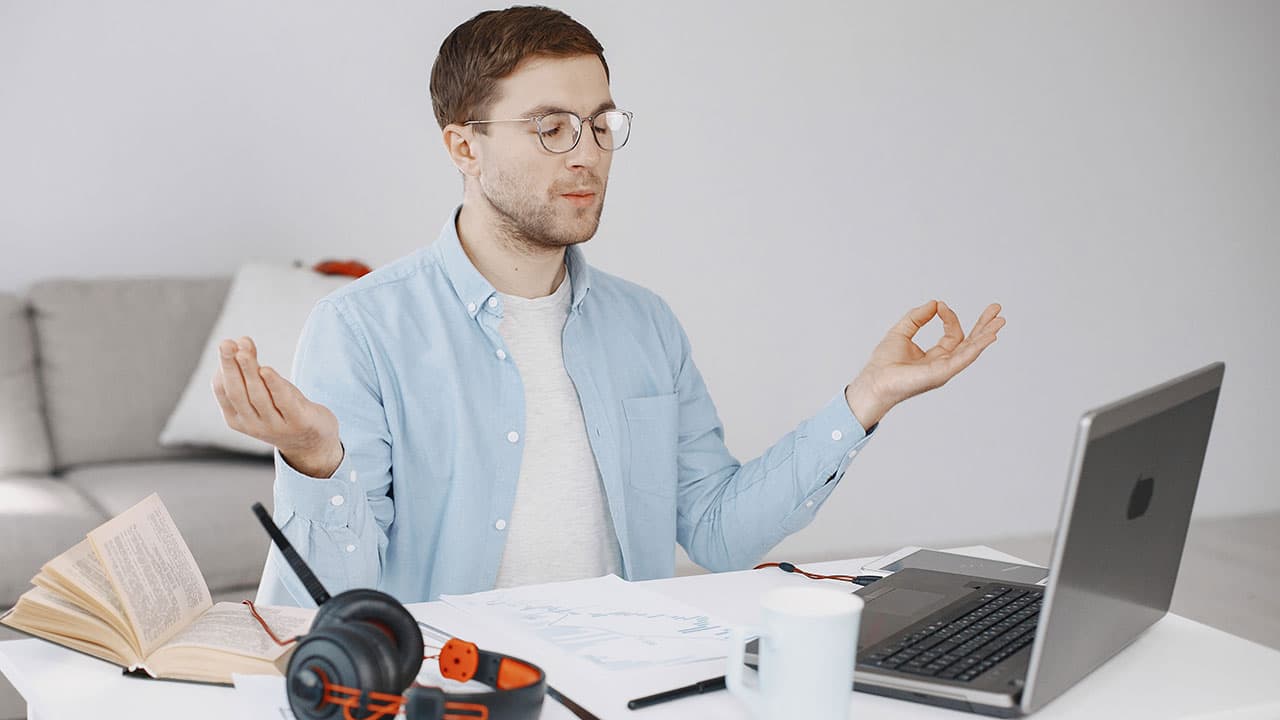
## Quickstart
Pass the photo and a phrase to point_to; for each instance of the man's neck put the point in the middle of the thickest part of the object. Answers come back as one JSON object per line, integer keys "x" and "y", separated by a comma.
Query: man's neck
{"x": 510, "y": 265}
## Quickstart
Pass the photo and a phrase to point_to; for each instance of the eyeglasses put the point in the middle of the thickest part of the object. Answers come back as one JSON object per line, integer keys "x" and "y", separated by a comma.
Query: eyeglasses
{"x": 559, "y": 132}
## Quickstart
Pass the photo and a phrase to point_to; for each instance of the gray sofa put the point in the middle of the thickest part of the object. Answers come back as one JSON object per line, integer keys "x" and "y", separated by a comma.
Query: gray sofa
{"x": 89, "y": 372}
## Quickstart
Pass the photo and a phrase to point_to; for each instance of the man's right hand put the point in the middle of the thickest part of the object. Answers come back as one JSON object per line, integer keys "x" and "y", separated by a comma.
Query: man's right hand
{"x": 260, "y": 403}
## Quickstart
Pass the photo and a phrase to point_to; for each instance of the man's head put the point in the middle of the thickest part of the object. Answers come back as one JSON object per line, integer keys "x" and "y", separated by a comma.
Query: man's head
{"x": 518, "y": 63}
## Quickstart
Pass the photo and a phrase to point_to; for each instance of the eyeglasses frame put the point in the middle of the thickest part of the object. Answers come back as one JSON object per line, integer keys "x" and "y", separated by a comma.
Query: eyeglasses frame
{"x": 583, "y": 122}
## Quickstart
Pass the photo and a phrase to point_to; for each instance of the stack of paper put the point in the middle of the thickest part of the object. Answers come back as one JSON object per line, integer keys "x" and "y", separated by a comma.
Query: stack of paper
{"x": 607, "y": 621}
{"x": 602, "y": 641}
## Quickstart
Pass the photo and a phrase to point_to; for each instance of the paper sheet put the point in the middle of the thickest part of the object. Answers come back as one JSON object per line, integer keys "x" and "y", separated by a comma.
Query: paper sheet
{"x": 608, "y": 621}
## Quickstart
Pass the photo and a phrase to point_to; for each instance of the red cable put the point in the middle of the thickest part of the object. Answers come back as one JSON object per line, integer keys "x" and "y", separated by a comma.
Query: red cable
{"x": 278, "y": 641}
{"x": 811, "y": 576}
{"x": 263, "y": 623}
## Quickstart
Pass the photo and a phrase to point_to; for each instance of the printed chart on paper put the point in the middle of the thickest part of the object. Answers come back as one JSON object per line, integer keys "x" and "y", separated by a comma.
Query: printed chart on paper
{"x": 606, "y": 620}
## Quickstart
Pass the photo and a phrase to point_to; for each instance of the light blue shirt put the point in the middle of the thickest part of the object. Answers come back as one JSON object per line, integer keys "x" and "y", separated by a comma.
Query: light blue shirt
{"x": 431, "y": 414}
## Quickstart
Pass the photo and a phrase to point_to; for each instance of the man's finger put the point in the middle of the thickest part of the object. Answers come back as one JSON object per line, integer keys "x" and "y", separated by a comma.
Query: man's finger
{"x": 987, "y": 316}
{"x": 989, "y": 330}
{"x": 233, "y": 380}
{"x": 981, "y": 334}
{"x": 968, "y": 351}
{"x": 952, "y": 335}
{"x": 916, "y": 318}
{"x": 220, "y": 394}
{"x": 259, "y": 396}
{"x": 287, "y": 398}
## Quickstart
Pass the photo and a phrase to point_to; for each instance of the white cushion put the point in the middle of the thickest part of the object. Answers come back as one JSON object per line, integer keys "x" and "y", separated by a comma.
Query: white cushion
{"x": 269, "y": 303}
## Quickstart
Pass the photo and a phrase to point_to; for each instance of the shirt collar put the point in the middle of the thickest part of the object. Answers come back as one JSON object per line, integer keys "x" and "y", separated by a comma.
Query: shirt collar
{"x": 473, "y": 290}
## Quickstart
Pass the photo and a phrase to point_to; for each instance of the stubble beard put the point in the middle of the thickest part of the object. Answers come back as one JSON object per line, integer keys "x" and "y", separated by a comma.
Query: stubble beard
{"x": 531, "y": 226}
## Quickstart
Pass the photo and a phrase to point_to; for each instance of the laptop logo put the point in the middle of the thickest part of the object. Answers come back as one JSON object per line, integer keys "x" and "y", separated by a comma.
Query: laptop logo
{"x": 1140, "y": 497}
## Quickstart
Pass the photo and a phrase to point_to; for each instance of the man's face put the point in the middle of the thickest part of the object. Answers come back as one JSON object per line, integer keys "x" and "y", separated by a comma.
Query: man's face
{"x": 526, "y": 184}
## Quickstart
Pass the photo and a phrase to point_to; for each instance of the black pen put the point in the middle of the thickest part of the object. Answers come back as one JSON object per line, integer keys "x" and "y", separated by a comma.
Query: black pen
{"x": 697, "y": 688}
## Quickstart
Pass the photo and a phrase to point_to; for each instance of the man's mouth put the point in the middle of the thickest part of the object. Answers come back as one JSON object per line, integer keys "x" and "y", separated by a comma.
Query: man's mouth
{"x": 580, "y": 199}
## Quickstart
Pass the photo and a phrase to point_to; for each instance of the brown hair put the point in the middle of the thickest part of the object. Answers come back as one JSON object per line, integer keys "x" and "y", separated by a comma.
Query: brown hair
{"x": 488, "y": 47}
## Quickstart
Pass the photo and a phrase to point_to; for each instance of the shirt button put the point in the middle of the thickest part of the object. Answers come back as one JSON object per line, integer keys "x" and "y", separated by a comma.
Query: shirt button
{"x": 493, "y": 302}
{"x": 471, "y": 307}
{"x": 502, "y": 354}
{"x": 336, "y": 500}
{"x": 808, "y": 503}
{"x": 836, "y": 434}
{"x": 852, "y": 453}
{"x": 353, "y": 476}
{"x": 512, "y": 436}
{"x": 501, "y": 524}
{"x": 351, "y": 548}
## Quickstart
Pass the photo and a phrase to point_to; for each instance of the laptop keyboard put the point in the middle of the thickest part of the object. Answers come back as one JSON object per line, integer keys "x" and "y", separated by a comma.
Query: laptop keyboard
{"x": 969, "y": 643}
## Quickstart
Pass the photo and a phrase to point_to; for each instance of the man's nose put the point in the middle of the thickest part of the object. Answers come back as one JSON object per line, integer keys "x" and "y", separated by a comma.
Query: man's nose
{"x": 587, "y": 152}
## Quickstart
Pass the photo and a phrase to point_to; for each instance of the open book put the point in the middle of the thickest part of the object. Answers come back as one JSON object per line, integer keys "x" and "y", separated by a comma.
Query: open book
{"x": 131, "y": 594}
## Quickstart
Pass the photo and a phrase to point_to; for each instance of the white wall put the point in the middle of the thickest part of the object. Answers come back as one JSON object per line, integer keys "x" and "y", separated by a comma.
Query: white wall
{"x": 800, "y": 174}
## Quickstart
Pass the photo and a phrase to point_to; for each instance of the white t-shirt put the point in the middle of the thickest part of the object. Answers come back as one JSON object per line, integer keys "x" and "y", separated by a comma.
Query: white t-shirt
{"x": 560, "y": 527}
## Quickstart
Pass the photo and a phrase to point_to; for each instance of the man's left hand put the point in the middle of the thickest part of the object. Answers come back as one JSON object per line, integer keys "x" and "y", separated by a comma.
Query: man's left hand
{"x": 899, "y": 369}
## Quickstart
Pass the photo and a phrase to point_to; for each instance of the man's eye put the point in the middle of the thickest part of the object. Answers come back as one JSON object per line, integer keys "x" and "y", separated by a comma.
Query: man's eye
{"x": 551, "y": 132}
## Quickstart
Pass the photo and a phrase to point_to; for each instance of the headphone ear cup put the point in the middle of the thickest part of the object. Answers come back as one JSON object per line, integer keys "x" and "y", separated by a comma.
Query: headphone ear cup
{"x": 383, "y": 655}
{"x": 379, "y": 610}
{"x": 349, "y": 656}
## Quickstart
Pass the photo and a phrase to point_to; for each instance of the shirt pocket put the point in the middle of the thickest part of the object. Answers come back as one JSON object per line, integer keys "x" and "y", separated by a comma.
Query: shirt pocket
{"x": 650, "y": 455}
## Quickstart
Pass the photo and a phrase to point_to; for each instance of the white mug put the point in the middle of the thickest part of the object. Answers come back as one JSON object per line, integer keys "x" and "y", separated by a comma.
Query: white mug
{"x": 808, "y": 640}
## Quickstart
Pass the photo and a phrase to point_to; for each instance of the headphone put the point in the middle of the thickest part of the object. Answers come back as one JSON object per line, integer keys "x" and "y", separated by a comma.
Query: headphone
{"x": 364, "y": 648}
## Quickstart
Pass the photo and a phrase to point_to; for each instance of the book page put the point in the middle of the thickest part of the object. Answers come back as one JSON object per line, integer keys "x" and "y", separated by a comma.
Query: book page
{"x": 152, "y": 571}
{"x": 81, "y": 567}
{"x": 232, "y": 628}
{"x": 79, "y": 572}
{"x": 46, "y": 614}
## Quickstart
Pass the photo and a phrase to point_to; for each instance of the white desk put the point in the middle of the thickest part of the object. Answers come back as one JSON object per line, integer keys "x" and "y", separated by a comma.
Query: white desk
{"x": 1177, "y": 669}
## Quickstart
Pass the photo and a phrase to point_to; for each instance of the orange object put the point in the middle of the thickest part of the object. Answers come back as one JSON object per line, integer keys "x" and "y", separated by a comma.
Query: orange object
{"x": 354, "y": 268}
{"x": 515, "y": 674}
{"x": 459, "y": 660}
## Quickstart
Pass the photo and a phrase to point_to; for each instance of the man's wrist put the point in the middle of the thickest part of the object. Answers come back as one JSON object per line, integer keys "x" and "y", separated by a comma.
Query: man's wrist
{"x": 317, "y": 464}
{"x": 864, "y": 403}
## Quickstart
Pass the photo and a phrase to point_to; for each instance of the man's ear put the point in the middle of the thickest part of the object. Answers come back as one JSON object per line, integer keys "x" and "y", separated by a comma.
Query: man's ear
{"x": 464, "y": 154}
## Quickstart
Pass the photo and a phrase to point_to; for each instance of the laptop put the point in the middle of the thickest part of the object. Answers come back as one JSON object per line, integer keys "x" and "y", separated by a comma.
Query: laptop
{"x": 1006, "y": 649}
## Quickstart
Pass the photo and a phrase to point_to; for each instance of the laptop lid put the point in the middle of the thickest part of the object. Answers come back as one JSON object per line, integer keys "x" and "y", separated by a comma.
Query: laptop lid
{"x": 1119, "y": 542}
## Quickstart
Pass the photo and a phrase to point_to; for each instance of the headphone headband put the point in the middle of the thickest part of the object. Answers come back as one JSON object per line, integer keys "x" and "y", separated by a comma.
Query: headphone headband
{"x": 518, "y": 687}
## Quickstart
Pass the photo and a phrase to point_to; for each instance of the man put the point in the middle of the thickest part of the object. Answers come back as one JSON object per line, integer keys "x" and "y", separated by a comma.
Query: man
{"x": 491, "y": 411}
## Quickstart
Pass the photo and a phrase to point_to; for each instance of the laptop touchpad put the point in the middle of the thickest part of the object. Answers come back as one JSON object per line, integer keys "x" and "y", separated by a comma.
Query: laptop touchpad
{"x": 905, "y": 601}
{"x": 896, "y": 609}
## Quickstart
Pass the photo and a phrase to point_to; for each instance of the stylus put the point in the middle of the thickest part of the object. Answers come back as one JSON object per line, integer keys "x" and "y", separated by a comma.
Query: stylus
{"x": 702, "y": 686}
